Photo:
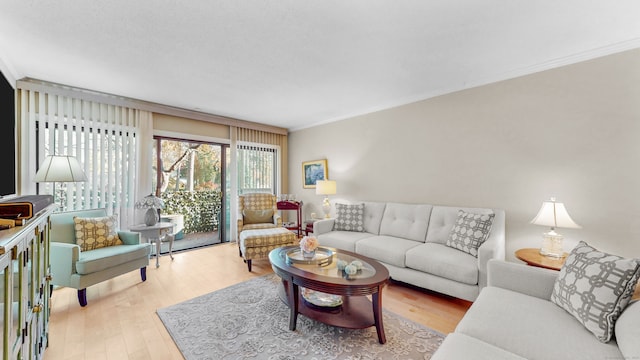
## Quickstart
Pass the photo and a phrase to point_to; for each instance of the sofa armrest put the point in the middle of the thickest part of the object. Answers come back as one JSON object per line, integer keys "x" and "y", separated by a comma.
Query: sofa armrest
{"x": 129, "y": 237}
{"x": 493, "y": 248}
{"x": 323, "y": 226}
{"x": 63, "y": 262}
{"x": 529, "y": 280}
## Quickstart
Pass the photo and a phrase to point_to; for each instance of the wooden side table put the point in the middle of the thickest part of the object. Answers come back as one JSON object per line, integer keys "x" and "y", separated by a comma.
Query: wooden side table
{"x": 533, "y": 257}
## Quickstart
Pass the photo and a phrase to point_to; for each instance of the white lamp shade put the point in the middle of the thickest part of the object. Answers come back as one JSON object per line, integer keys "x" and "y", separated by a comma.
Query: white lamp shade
{"x": 60, "y": 168}
{"x": 325, "y": 187}
{"x": 555, "y": 215}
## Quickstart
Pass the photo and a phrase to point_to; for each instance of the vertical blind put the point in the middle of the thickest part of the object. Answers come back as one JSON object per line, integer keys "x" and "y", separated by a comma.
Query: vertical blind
{"x": 101, "y": 136}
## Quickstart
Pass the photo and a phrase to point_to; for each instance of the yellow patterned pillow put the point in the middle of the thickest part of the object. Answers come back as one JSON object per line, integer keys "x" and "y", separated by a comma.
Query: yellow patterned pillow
{"x": 97, "y": 232}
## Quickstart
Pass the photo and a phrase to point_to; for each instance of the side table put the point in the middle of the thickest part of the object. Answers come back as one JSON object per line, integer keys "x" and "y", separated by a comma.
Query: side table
{"x": 533, "y": 257}
{"x": 155, "y": 233}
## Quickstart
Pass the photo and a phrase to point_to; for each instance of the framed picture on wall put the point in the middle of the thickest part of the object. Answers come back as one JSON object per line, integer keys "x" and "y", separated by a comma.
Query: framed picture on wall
{"x": 313, "y": 171}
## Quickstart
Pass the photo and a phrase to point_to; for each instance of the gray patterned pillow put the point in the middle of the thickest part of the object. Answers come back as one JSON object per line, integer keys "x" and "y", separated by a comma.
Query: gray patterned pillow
{"x": 349, "y": 217}
{"x": 595, "y": 287}
{"x": 470, "y": 231}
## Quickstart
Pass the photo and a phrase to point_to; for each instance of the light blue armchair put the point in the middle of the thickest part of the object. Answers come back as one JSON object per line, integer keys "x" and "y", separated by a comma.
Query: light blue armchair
{"x": 78, "y": 269}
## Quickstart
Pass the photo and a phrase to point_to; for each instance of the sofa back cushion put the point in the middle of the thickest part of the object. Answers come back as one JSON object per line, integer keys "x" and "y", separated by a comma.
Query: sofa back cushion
{"x": 373, "y": 212}
{"x": 443, "y": 219}
{"x": 63, "y": 227}
{"x": 407, "y": 221}
{"x": 628, "y": 331}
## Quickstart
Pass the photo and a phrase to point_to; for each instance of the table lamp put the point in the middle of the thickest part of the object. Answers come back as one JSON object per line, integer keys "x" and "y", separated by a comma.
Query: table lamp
{"x": 555, "y": 215}
{"x": 60, "y": 168}
{"x": 153, "y": 204}
{"x": 326, "y": 188}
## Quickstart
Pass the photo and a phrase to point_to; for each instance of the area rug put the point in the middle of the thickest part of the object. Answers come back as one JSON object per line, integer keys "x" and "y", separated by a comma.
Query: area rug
{"x": 249, "y": 321}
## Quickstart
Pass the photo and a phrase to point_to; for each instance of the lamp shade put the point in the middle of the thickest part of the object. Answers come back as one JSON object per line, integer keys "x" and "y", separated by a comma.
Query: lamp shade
{"x": 555, "y": 215}
{"x": 150, "y": 202}
{"x": 60, "y": 168}
{"x": 325, "y": 187}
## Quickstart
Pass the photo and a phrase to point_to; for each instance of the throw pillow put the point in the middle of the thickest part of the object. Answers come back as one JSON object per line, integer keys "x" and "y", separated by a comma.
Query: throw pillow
{"x": 470, "y": 231}
{"x": 97, "y": 232}
{"x": 257, "y": 216}
{"x": 595, "y": 287}
{"x": 349, "y": 217}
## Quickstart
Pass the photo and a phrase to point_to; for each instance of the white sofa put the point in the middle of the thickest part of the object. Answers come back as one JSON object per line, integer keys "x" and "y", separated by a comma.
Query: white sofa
{"x": 513, "y": 318}
{"x": 410, "y": 240}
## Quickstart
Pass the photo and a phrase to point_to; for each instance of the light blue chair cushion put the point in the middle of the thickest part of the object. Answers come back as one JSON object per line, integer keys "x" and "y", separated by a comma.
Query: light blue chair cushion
{"x": 111, "y": 256}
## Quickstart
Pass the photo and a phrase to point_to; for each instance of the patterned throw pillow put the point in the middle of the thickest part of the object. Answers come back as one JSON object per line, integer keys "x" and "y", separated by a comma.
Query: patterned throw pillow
{"x": 470, "y": 231}
{"x": 257, "y": 216}
{"x": 349, "y": 217}
{"x": 98, "y": 232}
{"x": 595, "y": 287}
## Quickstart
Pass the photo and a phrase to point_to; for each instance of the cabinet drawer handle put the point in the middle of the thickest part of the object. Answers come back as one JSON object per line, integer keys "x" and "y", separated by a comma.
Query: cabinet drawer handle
{"x": 37, "y": 309}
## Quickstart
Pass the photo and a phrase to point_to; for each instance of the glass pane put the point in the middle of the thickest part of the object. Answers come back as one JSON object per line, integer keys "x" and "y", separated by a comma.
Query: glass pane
{"x": 189, "y": 181}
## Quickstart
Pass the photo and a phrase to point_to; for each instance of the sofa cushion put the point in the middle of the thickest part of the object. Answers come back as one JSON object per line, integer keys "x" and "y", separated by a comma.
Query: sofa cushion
{"x": 349, "y": 217}
{"x": 595, "y": 287}
{"x": 457, "y": 346}
{"x": 531, "y": 327}
{"x": 387, "y": 249}
{"x": 257, "y": 216}
{"x": 96, "y": 232}
{"x": 345, "y": 240}
{"x": 628, "y": 331}
{"x": 406, "y": 221}
{"x": 470, "y": 231}
{"x": 443, "y": 261}
{"x": 107, "y": 257}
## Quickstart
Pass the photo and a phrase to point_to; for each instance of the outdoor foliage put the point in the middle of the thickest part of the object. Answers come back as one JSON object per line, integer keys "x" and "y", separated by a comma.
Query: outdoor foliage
{"x": 200, "y": 208}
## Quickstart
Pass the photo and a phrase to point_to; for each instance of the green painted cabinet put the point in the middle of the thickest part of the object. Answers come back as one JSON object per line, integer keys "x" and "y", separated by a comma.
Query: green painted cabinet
{"x": 25, "y": 282}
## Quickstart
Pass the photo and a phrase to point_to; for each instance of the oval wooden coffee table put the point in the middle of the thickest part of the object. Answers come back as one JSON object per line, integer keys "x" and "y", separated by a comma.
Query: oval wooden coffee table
{"x": 353, "y": 313}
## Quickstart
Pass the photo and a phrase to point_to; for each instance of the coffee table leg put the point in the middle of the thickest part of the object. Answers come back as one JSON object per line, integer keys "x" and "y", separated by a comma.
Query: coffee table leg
{"x": 293, "y": 304}
{"x": 377, "y": 315}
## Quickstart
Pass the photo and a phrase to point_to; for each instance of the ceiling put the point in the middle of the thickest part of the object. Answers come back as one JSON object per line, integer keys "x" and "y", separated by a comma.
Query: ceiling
{"x": 295, "y": 64}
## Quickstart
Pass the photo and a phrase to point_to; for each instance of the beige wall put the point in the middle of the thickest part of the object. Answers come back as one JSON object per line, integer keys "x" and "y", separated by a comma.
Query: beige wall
{"x": 571, "y": 132}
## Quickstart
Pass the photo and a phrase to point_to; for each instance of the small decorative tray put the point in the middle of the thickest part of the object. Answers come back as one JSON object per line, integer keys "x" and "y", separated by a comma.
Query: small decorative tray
{"x": 321, "y": 299}
{"x": 323, "y": 257}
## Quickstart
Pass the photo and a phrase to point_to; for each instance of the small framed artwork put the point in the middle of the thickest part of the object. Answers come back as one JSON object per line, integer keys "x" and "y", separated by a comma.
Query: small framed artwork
{"x": 313, "y": 171}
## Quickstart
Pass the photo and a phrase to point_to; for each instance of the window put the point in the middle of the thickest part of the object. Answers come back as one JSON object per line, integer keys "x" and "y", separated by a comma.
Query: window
{"x": 257, "y": 169}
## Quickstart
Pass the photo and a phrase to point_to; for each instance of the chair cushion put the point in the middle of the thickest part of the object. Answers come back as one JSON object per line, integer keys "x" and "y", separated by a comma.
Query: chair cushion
{"x": 96, "y": 232}
{"x": 257, "y": 216}
{"x": 349, "y": 217}
{"x": 470, "y": 231}
{"x": 103, "y": 258}
{"x": 594, "y": 287}
{"x": 266, "y": 237}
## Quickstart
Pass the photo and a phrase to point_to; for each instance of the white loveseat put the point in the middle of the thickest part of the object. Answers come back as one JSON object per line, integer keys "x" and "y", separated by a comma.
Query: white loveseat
{"x": 513, "y": 318}
{"x": 410, "y": 240}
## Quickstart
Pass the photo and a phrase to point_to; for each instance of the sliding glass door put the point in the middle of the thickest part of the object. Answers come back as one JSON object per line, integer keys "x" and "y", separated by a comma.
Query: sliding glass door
{"x": 192, "y": 180}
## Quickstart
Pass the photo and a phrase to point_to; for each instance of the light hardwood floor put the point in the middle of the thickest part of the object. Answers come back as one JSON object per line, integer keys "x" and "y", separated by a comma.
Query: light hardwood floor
{"x": 120, "y": 321}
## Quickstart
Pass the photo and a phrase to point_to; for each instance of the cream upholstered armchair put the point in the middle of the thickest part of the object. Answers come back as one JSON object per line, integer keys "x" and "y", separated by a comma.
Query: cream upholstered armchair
{"x": 258, "y": 211}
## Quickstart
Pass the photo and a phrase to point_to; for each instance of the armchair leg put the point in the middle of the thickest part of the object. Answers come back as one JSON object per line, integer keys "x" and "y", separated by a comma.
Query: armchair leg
{"x": 82, "y": 297}
{"x": 143, "y": 273}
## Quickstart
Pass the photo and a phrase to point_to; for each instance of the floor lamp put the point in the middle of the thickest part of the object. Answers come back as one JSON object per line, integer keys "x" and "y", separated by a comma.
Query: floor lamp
{"x": 60, "y": 168}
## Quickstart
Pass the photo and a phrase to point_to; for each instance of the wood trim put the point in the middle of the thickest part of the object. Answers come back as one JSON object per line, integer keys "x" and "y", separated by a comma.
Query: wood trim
{"x": 90, "y": 95}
